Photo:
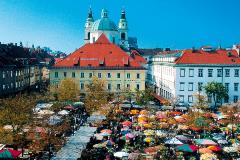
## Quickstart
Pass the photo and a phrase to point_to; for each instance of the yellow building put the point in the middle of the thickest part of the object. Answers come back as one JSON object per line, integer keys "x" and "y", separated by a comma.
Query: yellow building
{"x": 104, "y": 60}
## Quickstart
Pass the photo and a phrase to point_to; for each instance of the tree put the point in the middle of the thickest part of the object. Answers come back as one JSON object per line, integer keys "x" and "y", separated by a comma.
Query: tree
{"x": 143, "y": 97}
{"x": 201, "y": 102}
{"x": 174, "y": 101}
{"x": 96, "y": 95}
{"x": 17, "y": 113}
{"x": 216, "y": 91}
{"x": 68, "y": 90}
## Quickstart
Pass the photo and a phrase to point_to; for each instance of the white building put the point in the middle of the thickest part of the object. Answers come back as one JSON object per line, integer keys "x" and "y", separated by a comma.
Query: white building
{"x": 116, "y": 34}
{"x": 184, "y": 74}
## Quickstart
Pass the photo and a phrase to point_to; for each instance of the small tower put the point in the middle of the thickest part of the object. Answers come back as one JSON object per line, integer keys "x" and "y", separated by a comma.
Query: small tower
{"x": 88, "y": 26}
{"x": 123, "y": 30}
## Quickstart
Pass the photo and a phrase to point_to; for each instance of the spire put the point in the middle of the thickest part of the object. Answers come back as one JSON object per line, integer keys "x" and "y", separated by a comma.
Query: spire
{"x": 90, "y": 15}
{"x": 104, "y": 13}
{"x": 123, "y": 14}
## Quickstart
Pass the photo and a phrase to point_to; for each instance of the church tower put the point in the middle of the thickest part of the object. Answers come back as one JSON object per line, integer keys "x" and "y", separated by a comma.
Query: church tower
{"x": 88, "y": 26}
{"x": 123, "y": 30}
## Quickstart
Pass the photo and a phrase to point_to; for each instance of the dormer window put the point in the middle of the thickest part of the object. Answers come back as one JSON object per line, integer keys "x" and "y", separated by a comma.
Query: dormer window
{"x": 123, "y": 36}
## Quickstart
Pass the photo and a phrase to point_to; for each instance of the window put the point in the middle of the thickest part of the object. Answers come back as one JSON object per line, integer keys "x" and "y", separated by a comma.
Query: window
{"x": 88, "y": 35}
{"x": 190, "y": 99}
{"x": 200, "y": 86}
{"x": 109, "y": 87}
{"x": 236, "y": 72}
{"x": 90, "y": 75}
{"x": 82, "y": 86}
{"x": 99, "y": 75}
{"x": 138, "y": 86}
{"x": 118, "y": 75}
{"x": 3, "y": 86}
{"x": 182, "y": 72}
{"x": 235, "y": 99}
{"x": 16, "y": 84}
{"x": 118, "y": 86}
{"x": 65, "y": 74}
{"x": 109, "y": 75}
{"x": 191, "y": 72}
{"x": 82, "y": 75}
{"x": 123, "y": 36}
{"x": 236, "y": 86}
{"x": 182, "y": 86}
{"x": 227, "y": 86}
{"x": 56, "y": 74}
{"x": 11, "y": 85}
{"x": 200, "y": 72}
{"x": 128, "y": 75}
{"x": 138, "y": 75}
{"x": 210, "y": 72}
{"x": 227, "y": 72}
{"x": 94, "y": 39}
{"x": 226, "y": 100}
{"x": 128, "y": 86}
{"x": 219, "y": 72}
{"x": 73, "y": 74}
{"x": 190, "y": 86}
{"x": 11, "y": 73}
{"x": 181, "y": 98}
{"x": 4, "y": 75}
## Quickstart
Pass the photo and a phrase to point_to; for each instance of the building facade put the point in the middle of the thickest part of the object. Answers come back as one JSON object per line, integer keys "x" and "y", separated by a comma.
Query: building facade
{"x": 104, "y": 60}
{"x": 184, "y": 74}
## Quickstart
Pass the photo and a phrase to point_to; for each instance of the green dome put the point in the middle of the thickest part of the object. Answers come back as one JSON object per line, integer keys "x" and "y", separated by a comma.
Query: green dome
{"x": 104, "y": 24}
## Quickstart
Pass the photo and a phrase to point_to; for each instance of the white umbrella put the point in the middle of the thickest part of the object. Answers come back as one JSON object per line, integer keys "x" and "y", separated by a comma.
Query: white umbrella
{"x": 45, "y": 112}
{"x": 121, "y": 154}
{"x": 230, "y": 149}
{"x": 222, "y": 141}
{"x": 63, "y": 112}
{"x": 173, "y": 141}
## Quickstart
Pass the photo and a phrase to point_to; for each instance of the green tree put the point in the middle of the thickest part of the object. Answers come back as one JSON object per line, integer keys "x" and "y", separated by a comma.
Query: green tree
{"x": 216, "y": 91}
{"x": 68, "y": 90}
{"x": 144, "y": 96}
{"x": 201, "y": 102}
{"x": 96, "y": 95}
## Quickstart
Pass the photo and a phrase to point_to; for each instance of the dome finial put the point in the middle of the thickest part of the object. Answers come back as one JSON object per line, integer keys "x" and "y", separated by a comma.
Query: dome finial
{"x": 104, "y": 13}
{"x": 123, "y": 13}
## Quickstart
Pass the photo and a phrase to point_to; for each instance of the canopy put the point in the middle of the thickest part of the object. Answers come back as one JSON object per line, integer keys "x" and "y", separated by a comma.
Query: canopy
{"x": 187, "y": 148}
{"x": 215, "y": 148}
{"x": 45, "y": 112}
{"x": 9, "y": 153}
{"x": 205, "y": 142}
{"x": 53, "y": 120}
{"x": 173, "y": 141}
{"x": 63, "y": 112}
{"x": 121, "y": 154}
{"x": 126, "y": 123}
{"x": 230, "y": 149}
{"x": 182, "y": 137}
{"x": 205, "y": 150}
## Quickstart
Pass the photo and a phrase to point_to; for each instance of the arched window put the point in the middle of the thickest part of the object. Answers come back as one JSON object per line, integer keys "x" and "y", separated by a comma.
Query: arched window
{"x": 123, "y": 36}
{"x": 88, "y": 35}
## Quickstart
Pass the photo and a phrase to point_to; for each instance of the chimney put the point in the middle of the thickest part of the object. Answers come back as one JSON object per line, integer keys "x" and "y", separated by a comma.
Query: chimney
{"x": 236, "y": 47}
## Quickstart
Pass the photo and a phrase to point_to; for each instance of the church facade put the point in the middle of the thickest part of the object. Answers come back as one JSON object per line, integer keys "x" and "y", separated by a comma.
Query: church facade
{"x": 116, "y": 34}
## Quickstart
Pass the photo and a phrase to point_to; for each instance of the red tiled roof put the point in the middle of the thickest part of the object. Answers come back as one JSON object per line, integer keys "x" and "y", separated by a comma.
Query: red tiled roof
{"x": 100, "y": 53}
{"x": 215, "y": 57}
{"x": 138, "y": 57}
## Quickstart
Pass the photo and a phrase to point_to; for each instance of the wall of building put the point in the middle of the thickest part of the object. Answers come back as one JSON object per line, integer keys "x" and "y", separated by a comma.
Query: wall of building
{"x": 124, "y": 80}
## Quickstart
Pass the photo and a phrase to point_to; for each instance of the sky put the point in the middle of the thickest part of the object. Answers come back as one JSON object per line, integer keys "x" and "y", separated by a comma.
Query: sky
{"x": 178, "y": 24}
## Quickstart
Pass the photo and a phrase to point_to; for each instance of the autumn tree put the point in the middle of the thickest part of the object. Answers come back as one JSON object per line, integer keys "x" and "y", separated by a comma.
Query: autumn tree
{"x": 231, "y": 111}
{"x": 16, "y": 113}
{"x": 216, "y": 91}
{"x": 96, "y": 95}
{"x": 68, "y": 90}
{"x": 144, "y": 96}
{"x": 201, "y": 102}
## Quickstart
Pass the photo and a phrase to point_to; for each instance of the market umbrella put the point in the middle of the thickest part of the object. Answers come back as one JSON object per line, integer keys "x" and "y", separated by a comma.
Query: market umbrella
{"x": 148, "y": 139}
{"x": 104, "y": 134}
{"x": 9, "y": 153}
{"x": 215, "y": 148}
{"x": 187, "y": 148}
{"x": 230, "y": 149}
{"x": 173, "y": 141}
{"x": 45, "y": 112}
{"x": 144, "y": 112}
{"x": 126, "y": 123}
{"x": 63, "y": 112}
{"x": 106, "y": 131}
{"x": 182, "y": 137}
{"x": 69, "y": 107}
{"x": 208, "y": 156}
{"x": 205, "y": 142}
{"x": 151, "y": 150}
{"x": 161, "y": 133}
{"x": 205, "y": 150}
{"x": 133, "y": 156}
{"x": 121, "y": 154}
{"x": 134, "y": 112}
{"x": 130, "y": 135}
{"x": 149, "y": 132}
{"x": 222, "y": 141}
{"x": 108, "y": 143}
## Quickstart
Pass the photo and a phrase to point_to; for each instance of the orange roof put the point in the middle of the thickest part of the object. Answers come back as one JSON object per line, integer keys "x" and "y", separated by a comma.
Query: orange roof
{"x": 223, "y": 57}
{"x": 101, "y": 53}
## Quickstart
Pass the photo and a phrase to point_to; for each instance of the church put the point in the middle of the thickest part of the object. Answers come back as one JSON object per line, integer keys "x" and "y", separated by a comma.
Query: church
{"x": 115, "y": 34}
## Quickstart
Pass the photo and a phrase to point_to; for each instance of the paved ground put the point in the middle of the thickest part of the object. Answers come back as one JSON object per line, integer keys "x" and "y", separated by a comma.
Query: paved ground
{"x": 76, "y": 143}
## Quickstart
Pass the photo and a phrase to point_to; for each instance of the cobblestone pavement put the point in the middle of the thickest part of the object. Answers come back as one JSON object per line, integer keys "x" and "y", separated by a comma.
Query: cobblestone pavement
{"x": 76, "y": 143}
